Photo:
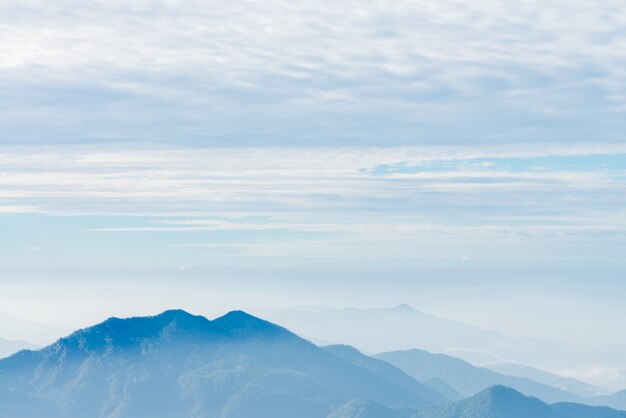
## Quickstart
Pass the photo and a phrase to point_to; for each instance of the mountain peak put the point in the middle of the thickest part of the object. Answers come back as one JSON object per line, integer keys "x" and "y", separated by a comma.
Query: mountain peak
{"x": 163, "y": 317}
{"x": 501, "y": 398}
{"x": 175, "y": 313}
{"x": 501, "y": 390}
{"x": 500, "y": 394}
{"x": 404, "y": 308}
{"x": 240, "y": 323}
{"x": 171, "y": 325}
{"x": 495, "y": 402}
{"x": 240, "y": 318}
{"x": 239, "y": 315}
{"x": 178, "y": 364}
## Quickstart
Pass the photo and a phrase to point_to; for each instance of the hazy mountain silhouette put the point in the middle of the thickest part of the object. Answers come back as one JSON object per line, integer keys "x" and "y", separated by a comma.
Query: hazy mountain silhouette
{"x": 616, "y": 400}
{"x": 402, "y": 327}
{"x": 566, "y": 383}
{"x": 13, "y": 327}
{"x": 466, "y": 378}
{"x": 8, "y": 347}
{"x": 443, "y": 388}
{"x": 502, "y": 402}
{"x": 494, "y": 402}
{"x": 574, "y": 410}
{"x": 388, "y": 372}
{"x": 180, "y": 365}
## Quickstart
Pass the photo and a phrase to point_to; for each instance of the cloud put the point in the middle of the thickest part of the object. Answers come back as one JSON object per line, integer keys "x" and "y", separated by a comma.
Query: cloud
{"x": 291, "y": 176}
{"x": 250, "y": 73}
{"x": 393, "y": 194}
{"x": 14, "y": 209}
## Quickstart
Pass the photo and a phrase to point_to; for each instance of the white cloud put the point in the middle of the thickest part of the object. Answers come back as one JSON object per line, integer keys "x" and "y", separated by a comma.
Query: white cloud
{"x": 13, "y": 209}
{"x": 324, "y": 190}
{"x": 297, "y": 37}
{"x": 403, "y": 71}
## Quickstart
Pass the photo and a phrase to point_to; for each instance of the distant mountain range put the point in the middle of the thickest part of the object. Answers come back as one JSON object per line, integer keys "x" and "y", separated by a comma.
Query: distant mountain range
{"x": 402, "y": 327}
{"x": 8, "y": 347}
{"x": 568, "y": 384}
{"x": 467, "y": 379}
{"x": 238, "y": 366}
{"x": 493, "y": 402}
{"x": 15, "y": 328}
{"x": 503, "y": 402}
{"x": 616, "y": 400}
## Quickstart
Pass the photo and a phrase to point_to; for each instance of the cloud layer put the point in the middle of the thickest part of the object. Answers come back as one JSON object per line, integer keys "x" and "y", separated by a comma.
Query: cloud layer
{"x": 305, "y": 72}
{"x": 411, "y": 202}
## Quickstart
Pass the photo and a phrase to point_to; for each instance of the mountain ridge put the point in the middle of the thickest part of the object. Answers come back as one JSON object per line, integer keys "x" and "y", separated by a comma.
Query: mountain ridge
{"x": 499, "y": 401}
{"x": 370, "y": 332}
{"x": 176, "y": 363}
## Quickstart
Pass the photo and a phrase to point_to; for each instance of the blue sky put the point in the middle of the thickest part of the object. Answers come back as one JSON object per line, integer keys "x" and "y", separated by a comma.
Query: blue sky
{"x": 261, "y": 154}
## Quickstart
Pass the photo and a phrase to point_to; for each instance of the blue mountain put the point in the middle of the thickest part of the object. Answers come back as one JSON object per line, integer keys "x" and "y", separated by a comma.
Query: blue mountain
{"x": 494, "y": 402}
{"x": 179, "y": 365}
{"x": 567, "y": 384}
{"x": 359, "y": 408}
{"x": 467, "y": 379}
{"x": 502, "y": 402}
{"x": 616, "y": 400}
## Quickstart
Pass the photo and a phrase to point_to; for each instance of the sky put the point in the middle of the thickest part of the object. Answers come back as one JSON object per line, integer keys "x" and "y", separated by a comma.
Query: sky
{"x": 466, "y": 158}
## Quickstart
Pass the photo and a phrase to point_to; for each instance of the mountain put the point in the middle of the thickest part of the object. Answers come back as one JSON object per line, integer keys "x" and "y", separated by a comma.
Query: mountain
{"x": 386, "y": 371}
{"x": 8, "y": 347}
{"x": 616, "y": 400}
{"x": 402, "y": 327}
{"x": 366, "y": 409}
{"x": 443, "y": 388}
{"x": 15, "y": 328}
{"x": 494, "y": 402}
{"x": 566, "y": 383}
{"x": 18, "y": 404}
{"x": 573, "y": 410}
{"x": 178, "y": 364}
{"x": 502, "y": 402}
{"x": 467, "y": 379}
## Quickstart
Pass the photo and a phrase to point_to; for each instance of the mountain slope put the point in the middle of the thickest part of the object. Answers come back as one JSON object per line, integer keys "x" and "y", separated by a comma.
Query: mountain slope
{"x": 494, "y": 402}
{"x": 366, "y": 409}
{"x": 573, "y": 410}
{"x": 503, "y": 402}
{"x": 387, "y": 372}
{"x": 466, "y": 378}
{"x": 177, "y": 364}
{"x": 616, "y": 400}
{"x": 443, "y": 388}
